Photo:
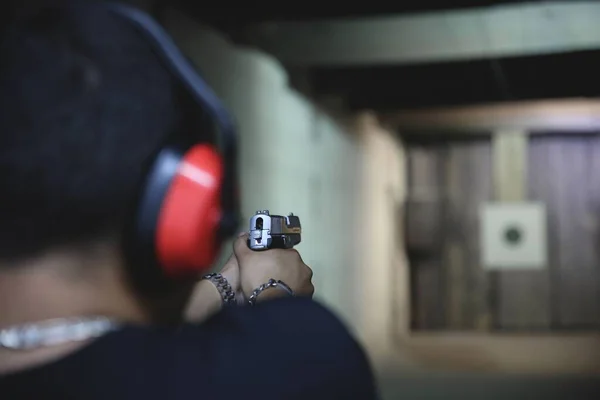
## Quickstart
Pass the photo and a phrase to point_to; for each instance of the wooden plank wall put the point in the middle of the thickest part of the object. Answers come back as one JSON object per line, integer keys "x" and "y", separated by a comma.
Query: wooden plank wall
{"x": 448, "y": 180}
{"x": 424, "y": 217}
{"x": 565, "y": 173}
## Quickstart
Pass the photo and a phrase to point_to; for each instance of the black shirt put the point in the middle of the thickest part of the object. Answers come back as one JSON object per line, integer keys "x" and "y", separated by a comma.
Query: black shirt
{"x": 281, "y": 349}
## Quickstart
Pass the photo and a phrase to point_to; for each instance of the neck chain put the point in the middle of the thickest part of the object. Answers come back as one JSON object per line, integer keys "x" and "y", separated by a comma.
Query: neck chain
{"x": 55, "y": 332}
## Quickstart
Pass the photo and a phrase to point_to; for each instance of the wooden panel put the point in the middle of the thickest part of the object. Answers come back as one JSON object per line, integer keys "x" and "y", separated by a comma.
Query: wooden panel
{"x": 522, "y": 300}
{"x": 450, "y": 287}
{"x": 423, "y": 237}
{"x": 563, "y": 175}
{"x": 423, "y": 221}
{"x": 427, "y": 300}
{"x": 457, "y": 302}
{"x": 467, "y": 184}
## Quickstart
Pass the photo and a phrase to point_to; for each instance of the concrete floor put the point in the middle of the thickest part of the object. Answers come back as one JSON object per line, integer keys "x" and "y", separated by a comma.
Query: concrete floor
{"x": 445, "y": 386}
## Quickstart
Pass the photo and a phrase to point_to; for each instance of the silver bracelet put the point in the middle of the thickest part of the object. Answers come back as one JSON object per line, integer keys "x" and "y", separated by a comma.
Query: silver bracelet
{"x": 223, "y": 286}
{"x": 271, "y": 283}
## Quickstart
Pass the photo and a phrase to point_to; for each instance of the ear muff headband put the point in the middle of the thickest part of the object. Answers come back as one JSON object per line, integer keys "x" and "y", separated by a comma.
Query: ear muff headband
{"x": 179, "y": 201}
{"x": 205, "y": 97}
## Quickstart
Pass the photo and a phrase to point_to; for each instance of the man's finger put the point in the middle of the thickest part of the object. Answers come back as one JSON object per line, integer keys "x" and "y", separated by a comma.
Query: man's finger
{"x": 240, "y": 245}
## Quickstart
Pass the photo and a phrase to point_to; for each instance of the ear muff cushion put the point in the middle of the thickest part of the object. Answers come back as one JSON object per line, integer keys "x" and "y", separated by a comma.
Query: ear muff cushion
{"x": 188, "y": 223}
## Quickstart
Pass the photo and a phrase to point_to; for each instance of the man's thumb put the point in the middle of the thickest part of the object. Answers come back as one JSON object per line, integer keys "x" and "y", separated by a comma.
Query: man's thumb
{"x": 240, "y": 245}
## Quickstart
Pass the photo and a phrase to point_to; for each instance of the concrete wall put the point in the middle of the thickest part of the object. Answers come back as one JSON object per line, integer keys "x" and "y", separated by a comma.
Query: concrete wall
{"x": 294, "y": 157}
{"x": 385, "y": 276}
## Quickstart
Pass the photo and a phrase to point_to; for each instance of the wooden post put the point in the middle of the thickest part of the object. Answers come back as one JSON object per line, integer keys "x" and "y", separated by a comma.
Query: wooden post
{"x": 522, "y": 301}
{"x": 510, "y": 165}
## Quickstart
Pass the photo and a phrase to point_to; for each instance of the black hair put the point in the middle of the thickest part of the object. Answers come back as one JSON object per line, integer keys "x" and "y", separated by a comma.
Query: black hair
{"x": 84, "y": 105}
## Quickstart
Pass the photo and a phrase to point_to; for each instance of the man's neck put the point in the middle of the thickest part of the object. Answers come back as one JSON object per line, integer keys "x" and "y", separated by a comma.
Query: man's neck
{"x": 62, "y": 286}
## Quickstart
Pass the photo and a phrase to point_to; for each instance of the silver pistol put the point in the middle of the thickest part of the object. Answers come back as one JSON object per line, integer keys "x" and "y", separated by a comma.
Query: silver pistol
{"x": 274, "y": 231}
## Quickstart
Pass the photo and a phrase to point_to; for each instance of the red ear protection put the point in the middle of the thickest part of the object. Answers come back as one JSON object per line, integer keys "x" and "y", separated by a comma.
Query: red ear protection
{"x": 188, "y": 224}
{"x": 188, "y": 204}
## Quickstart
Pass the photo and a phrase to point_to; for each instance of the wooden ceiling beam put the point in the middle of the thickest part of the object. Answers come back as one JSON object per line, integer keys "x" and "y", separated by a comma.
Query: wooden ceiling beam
{"x": 544, "y": 116}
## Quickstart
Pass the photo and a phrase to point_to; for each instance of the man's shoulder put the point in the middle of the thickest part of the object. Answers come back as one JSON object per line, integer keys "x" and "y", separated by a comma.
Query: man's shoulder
{"x": 291, "y": 344}
{"x": 292, "y": 321}
{"x": 285, "y": 312}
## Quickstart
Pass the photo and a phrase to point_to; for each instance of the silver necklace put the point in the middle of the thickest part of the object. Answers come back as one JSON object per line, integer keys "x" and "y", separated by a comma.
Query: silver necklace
{"x": 55, "y": 332}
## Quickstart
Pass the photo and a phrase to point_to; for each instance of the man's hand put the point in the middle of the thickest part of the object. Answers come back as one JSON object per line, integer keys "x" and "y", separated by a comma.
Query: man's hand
{"x": 231, "y": 272}
{"x": 257, "y": 267}
{"x": 206, "y": 299}
{"x": 245, "y": 271}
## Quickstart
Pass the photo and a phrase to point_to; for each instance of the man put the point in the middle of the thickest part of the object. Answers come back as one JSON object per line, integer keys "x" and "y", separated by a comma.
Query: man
{"x": 84, "y": 105}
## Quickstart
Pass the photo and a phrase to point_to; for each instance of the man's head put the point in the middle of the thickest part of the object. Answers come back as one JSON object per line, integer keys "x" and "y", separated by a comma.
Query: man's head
{"x": 84, "y": 106}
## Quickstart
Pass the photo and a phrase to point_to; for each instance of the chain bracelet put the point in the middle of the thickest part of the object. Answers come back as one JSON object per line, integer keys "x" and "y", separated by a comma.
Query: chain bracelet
{"x": 271, "y": 283}
{"x": 224, "y": 288}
